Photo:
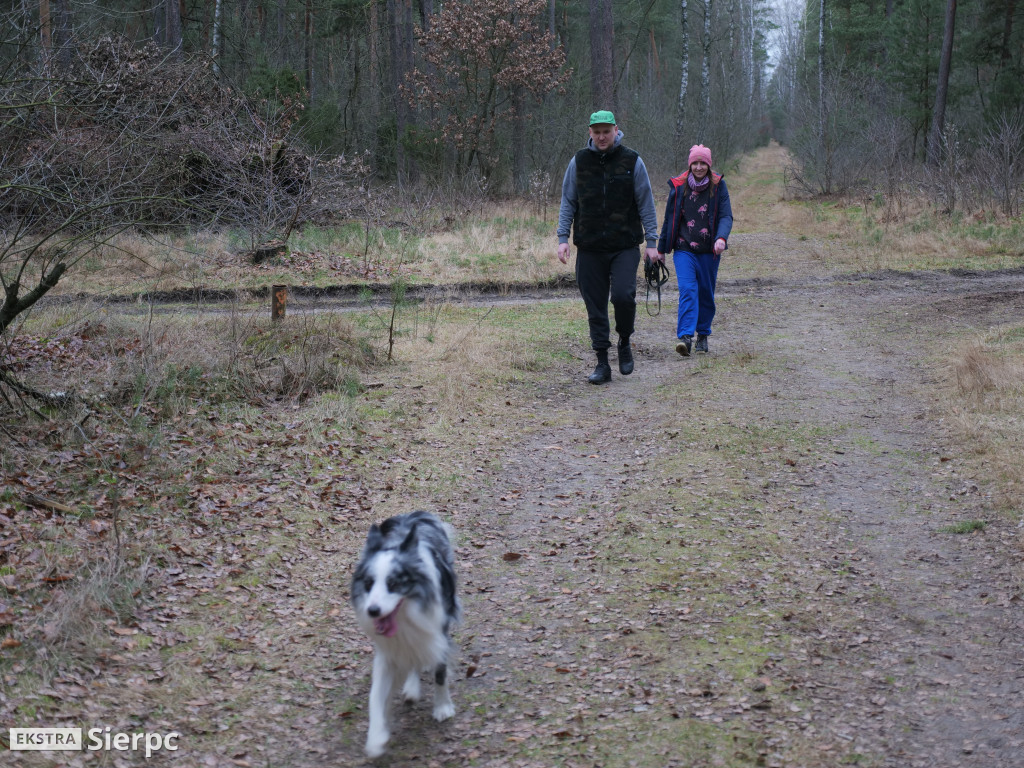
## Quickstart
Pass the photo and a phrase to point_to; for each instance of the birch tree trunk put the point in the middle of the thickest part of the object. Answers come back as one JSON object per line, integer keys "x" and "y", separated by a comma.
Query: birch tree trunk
{"x": 705, "y": 73}
{"x": 215, "y": 47}
{"x": 684, "y": 78}
{"x": 821, "y": 97}
{"x": 752, "y": 76}
{"x": 942, "y": 87}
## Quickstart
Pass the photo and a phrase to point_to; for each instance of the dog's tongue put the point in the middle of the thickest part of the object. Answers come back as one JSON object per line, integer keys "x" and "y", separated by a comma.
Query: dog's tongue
{"x": 387, "y": 625}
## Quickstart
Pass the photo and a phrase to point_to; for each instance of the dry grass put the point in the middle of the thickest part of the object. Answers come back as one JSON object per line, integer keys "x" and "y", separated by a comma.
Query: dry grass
{"x": 864, "y": 233}
{"x": 985, "y": 394}
{"x": 505, "y": 241}
{"x": 103, "y": 592}
{"x": 465, "y": 354}
{"x": 169, "y": 360}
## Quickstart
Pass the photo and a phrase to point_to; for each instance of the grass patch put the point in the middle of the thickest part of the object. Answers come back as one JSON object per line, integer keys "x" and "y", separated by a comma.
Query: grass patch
{"x": 966, "y": 526}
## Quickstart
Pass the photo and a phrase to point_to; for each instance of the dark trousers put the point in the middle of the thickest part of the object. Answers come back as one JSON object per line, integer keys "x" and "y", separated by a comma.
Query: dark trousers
{"x": 603, "y": 275}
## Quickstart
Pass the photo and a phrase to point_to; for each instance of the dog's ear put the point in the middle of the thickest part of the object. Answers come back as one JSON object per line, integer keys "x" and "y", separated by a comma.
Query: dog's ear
{"x": 374, "y": 539}
{"x": 410, "y": 539}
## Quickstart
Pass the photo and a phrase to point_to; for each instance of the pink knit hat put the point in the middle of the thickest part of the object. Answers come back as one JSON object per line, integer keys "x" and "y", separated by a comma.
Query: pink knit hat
{"x": 699, "y": 152}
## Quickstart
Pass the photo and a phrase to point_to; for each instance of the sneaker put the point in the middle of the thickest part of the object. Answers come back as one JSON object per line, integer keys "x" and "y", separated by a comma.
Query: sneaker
{"x": 683, "y": 347}
{"x": 625, "y": 358}
{"x": 602, "y": 374}
{"x": 702, "y": 343}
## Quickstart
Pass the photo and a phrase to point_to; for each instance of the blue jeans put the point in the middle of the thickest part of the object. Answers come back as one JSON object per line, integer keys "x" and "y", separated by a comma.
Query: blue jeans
{"x": 696, "y": 274}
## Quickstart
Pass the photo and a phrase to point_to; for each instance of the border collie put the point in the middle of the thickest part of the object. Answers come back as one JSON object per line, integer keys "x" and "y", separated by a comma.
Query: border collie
{"x": 403, "y": 592}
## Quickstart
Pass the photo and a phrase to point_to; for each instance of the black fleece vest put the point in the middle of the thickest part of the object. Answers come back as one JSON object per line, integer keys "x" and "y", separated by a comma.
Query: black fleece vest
{"x": 607, "y": 219}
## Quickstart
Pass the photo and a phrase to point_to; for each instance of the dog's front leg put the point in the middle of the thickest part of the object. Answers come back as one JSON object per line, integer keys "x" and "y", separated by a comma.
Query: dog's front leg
{"x": 380, "y": 692}
{"x": 411, "y": 689}
{"x": 443, "y": 706}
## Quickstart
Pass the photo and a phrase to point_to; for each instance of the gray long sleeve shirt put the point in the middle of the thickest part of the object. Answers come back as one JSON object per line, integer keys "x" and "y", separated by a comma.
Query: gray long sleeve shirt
{"x": 642, "y": 193}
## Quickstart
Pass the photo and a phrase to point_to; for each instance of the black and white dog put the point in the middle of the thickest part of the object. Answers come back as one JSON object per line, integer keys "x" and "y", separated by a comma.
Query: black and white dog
{"x": 403, "y": 592}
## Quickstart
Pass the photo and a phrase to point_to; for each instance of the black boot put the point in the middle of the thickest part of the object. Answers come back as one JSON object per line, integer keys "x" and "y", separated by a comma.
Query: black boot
{"x": 684, "y": 344}
{"x": 702, "y": 343}
{"x": 625, "y": 357}
{"x": 603, "y": 372}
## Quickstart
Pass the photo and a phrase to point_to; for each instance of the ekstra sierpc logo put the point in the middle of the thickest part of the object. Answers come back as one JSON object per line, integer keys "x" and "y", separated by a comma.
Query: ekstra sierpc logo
{"x": 70, "y": 739}
{"x": 46, "y": 739}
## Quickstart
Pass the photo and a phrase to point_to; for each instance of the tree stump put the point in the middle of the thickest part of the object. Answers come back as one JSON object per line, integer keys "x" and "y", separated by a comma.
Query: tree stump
{"x": 267, "y": 250}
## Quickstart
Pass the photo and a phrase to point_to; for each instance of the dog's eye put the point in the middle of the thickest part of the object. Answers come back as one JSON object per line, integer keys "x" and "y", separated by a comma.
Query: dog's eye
{"x": 368, "y": 583}
{"x": 393, "y": 583}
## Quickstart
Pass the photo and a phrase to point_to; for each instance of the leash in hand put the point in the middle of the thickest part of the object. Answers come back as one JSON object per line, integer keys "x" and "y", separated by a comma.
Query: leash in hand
{"x": 656, "y": 275}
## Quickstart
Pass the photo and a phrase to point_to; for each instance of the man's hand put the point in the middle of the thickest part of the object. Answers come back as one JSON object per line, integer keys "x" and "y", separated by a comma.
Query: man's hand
{"x": 563, "y": 253}
{"x": 651, "y": 254}
{"x": 719, "y": 246}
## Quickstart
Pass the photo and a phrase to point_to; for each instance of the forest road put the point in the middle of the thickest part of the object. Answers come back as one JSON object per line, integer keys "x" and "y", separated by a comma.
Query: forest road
{"x": 900, "y": 640}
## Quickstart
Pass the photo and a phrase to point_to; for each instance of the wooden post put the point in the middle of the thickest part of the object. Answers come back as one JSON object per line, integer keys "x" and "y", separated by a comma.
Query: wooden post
{"x": 278, "y": 300}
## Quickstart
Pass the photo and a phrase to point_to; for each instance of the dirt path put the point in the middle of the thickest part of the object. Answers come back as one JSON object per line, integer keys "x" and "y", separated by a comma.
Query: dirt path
{"x": 877, "y": 639}
{"x": 730, "y": 560}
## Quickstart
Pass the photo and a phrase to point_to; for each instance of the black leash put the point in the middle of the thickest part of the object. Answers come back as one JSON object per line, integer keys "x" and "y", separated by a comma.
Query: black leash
{"x": 656, "y": 275}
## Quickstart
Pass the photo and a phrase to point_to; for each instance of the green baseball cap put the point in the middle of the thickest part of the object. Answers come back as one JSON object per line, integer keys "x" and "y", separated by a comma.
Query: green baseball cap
{"x": 602, "y": 116}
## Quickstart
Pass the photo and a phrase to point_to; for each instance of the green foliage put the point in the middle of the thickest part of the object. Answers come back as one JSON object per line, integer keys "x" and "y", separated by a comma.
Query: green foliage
{"x": 320, "y": 125}
{"x": 273, "y": 84}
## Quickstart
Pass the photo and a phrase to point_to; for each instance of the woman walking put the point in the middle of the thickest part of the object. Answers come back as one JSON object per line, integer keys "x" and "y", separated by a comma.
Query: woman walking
{"x": 695, "y": 230}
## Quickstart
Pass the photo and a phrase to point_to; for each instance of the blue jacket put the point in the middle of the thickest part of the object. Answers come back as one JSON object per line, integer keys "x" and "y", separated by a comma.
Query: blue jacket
{"x": 721, "y": 211}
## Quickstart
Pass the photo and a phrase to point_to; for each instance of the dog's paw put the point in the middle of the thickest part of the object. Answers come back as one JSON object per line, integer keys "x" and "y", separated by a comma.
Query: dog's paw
{"x": 411, "y": 689}
{"x": 375, "y": 747}
{"x": 376, "y": 740}
{"x": 443, "y": 711}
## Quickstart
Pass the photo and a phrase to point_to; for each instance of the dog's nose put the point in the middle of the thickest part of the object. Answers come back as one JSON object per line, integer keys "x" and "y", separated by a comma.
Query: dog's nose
{"x": 374, "y": 611}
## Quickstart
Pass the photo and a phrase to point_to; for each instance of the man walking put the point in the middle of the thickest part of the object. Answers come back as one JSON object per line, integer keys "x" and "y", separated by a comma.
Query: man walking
{"x": 608, "y": 203}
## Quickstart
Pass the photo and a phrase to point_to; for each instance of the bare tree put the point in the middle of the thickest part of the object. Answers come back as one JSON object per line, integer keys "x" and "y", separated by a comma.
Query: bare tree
{"x": 1003, "y": 147}
{"x": 133, "y": 138}
{"x": 484, "y": 59}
